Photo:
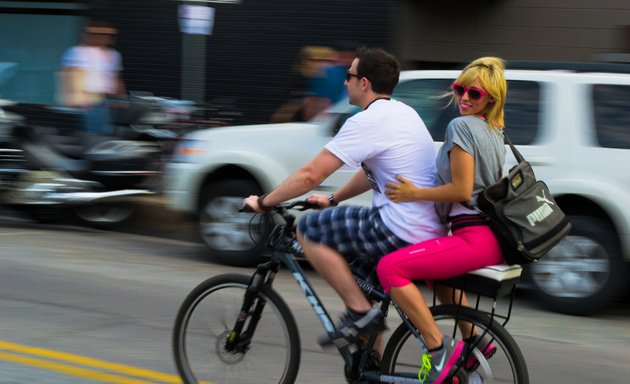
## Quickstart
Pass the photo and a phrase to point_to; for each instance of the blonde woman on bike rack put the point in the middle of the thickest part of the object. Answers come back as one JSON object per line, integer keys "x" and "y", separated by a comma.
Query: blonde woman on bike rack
{"x": 471, "y": 159}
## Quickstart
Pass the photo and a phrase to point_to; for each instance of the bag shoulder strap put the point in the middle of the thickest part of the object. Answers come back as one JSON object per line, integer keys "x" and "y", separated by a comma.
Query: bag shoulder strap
{"x": 517, "y": 154}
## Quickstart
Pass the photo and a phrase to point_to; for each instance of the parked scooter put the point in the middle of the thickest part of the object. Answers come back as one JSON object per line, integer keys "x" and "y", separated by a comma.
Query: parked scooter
{"x": 46, "y": 174}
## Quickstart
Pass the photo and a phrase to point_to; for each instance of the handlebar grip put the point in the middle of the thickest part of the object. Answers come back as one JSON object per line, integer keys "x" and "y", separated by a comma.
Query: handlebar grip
{"x": 300, "y": 205}
{"x": 246, "y": 209}
{"x": 303, "y": 205}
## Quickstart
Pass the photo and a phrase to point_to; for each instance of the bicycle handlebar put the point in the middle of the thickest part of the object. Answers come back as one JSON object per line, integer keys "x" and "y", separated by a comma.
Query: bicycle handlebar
{"x": 299, "y": 205}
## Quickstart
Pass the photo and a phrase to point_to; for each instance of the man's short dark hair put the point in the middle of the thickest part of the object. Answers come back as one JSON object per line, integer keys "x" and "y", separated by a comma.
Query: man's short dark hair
{"x": 380, "y": 67}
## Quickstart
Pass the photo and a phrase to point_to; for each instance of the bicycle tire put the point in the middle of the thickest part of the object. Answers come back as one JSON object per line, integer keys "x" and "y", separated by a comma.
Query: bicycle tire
{"x": 207, "y": 316}
{"x": 403, "y": 352}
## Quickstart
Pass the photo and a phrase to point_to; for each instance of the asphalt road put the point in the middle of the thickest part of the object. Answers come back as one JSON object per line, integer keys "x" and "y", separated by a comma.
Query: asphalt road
{"x": 84, "y": 306}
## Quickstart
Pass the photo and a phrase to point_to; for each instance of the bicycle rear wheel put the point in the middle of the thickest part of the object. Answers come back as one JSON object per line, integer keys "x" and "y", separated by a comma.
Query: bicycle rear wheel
{"x": 204, "y": 323}
{"x": 403, "y": 352}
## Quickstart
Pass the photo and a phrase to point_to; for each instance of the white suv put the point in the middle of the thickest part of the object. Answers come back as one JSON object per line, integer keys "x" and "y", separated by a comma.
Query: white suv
{"x": 573, "y": 125}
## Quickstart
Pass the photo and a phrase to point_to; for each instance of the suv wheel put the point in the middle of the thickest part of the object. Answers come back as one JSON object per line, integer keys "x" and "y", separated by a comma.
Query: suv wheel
{"x": 584, "y": 272}
{"x": 231, "y": 235}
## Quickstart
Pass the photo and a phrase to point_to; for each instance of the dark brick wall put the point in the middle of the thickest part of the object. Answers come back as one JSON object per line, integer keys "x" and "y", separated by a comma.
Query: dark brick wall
{"x": 456, "y": 31}
{"x": 251, "y": 50}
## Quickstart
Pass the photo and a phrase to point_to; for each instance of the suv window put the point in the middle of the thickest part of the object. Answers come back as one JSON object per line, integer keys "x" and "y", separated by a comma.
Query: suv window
{"x": 521, "y": 110}
{"x": 612, "y": 118}
{"x": 424, "y": 95}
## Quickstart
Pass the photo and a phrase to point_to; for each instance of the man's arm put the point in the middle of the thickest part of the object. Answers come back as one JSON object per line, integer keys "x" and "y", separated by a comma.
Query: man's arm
{"x": 302, "y": 181}
{"x": 71, "y": 79}
{"x": 356, "y": 186}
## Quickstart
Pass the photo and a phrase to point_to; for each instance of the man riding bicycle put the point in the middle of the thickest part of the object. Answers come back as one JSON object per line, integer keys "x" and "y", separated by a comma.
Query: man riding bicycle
{"x": 386, "y": 139}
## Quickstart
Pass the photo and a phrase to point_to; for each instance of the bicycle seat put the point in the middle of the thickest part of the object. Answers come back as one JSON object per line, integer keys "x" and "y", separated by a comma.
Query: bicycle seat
{"x": 493, "y": 281}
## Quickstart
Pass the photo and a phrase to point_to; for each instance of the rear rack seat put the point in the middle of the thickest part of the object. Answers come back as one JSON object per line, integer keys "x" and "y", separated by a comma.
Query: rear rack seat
{"x": 493, "y": 281}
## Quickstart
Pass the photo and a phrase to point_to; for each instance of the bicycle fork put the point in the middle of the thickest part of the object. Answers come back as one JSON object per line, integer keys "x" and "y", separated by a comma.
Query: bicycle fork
{"x": 253, "y": 304}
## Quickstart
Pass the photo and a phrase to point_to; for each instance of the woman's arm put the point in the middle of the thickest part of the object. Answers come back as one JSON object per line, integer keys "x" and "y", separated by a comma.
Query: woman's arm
{"x": 458, "y": 190}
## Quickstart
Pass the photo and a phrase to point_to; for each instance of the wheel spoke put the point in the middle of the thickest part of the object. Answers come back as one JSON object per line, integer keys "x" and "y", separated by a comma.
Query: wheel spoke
{"x": 204, "y": 325}
{"x": 403, "y": 353}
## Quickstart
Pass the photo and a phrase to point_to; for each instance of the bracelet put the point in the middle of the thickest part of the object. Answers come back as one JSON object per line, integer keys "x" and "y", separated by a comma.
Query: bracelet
{"x": 331, "y": 200}
{"x": 260, "y": 203}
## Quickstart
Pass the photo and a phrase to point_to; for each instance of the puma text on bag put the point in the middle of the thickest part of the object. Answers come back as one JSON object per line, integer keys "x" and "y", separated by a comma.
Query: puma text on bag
{"x": 523, "y": 214}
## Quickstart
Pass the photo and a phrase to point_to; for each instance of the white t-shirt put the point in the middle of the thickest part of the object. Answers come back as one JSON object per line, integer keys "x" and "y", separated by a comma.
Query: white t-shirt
{"x": 100, "y": 65}
{"x": 389, "y": 139}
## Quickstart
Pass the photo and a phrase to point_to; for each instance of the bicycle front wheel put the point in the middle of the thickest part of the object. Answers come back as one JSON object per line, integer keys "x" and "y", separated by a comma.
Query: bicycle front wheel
{"x": 403, "y": 352}
{"x": 205, "y": 321}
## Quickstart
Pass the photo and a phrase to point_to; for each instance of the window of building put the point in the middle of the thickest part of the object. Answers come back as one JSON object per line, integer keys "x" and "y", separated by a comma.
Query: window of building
{"x": 33, "y": 37}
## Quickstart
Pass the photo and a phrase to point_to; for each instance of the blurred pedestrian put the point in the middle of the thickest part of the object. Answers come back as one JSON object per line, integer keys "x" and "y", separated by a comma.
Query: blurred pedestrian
{"x": 329, "y": 88}
{"x": 92, "y": 72}
{"x": 309, "y": 66}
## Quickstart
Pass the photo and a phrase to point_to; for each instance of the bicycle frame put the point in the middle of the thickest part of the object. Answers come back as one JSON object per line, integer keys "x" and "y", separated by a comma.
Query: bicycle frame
{"x": 285, "y": 251}
{"x": 265, "y": 275}
{"x": 286, "y": 254}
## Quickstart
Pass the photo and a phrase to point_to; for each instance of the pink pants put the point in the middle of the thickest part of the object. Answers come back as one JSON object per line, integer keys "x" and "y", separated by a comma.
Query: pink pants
{"x": 469, "y": 248}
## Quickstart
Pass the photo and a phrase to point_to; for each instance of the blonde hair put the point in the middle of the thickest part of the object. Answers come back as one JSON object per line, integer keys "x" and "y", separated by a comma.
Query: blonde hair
{"x": 489, "y": 71}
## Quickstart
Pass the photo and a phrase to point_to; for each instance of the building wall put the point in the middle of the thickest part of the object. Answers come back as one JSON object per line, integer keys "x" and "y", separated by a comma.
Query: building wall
{"x": 251, "y": 50}
{"x": 457, "y": 31}
{"x": 148, "y": 40}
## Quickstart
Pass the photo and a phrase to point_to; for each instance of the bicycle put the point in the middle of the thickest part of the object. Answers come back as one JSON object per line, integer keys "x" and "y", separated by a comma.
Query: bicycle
{"x": 234, "y": 328}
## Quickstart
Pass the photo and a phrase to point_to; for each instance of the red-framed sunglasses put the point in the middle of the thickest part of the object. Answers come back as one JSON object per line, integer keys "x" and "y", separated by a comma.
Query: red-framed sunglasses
{"x": 473, "y": 92}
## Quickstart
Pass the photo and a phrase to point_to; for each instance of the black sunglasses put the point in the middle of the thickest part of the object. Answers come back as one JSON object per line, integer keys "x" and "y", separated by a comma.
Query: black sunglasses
{"x": 351, "y": 75}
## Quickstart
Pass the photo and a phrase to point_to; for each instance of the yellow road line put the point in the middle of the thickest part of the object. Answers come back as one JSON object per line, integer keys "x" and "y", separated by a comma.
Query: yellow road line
{"x": 84, "y": 361}
{"x": 71, "y": 370}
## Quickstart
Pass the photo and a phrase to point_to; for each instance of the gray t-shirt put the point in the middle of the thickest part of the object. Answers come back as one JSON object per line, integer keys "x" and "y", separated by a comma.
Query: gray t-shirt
{"x": 485, "y": 144}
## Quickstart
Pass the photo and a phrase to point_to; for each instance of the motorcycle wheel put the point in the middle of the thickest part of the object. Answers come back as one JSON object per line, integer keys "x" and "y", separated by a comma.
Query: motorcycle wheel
{"x": 105, "y": 215}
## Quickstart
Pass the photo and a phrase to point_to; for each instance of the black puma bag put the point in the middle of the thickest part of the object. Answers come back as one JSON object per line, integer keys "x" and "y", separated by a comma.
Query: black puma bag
{"x": 523, "y": 214}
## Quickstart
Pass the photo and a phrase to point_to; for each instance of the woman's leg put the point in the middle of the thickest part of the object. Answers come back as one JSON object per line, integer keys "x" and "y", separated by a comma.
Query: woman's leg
{"x": 468, "y": 249}
{"x": 448, "y": 295}
{"x": 410, "y": 300}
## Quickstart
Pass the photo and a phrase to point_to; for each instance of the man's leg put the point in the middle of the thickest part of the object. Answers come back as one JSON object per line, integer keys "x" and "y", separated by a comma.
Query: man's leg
{"x": 335, "y": 270}
{"x": 327, "y": 237}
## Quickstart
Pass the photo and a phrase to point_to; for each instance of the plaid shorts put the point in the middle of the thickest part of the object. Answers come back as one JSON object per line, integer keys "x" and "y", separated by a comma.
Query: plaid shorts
{"x": 358, "y": 233}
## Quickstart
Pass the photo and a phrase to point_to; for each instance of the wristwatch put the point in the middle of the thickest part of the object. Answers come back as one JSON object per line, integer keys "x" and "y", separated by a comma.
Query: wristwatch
{"x": 261, "y": 205}
{"x": 331, "y": 200}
